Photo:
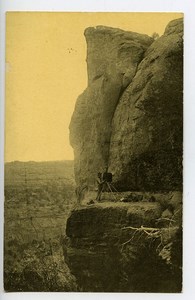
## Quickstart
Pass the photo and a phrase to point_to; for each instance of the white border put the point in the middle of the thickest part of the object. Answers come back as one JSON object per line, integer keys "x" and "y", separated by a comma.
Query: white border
{"x": 185, "y": 6}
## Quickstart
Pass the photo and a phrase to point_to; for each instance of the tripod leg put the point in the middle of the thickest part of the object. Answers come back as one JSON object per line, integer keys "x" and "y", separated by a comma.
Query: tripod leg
{"x": 113, "y": 187}
{"x": 111, "y": 190}
{"x": 98, "y": 198}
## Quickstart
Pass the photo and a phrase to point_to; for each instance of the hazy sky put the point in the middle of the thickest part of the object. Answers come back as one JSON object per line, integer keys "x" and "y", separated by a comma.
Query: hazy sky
{"x": 44, "y": 76}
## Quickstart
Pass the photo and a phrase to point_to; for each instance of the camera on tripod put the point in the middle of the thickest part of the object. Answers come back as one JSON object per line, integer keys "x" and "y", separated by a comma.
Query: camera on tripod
{"x": 105, "y": 184}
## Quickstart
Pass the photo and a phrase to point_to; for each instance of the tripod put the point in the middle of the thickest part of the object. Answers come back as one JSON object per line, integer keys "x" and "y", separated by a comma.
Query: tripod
{"x": 101, "y": 188}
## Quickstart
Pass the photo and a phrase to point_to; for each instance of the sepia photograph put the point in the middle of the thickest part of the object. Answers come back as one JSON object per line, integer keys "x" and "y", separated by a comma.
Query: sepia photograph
{"x": 93, "y": 173}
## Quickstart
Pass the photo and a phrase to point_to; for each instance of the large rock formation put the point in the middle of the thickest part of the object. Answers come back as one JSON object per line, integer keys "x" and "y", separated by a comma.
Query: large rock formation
{"x": 146, "y": 152}
{"x": 113, "y": 56}
{"x": 130, "y": 115}
{"x": 130, "y": 119}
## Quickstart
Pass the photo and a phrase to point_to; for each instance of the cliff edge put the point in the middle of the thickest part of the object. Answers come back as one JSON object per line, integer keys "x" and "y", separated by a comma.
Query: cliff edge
{"x": 129, "y": 120}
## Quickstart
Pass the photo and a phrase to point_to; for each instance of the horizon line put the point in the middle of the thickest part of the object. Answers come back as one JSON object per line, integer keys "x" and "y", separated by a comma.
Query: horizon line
{"x": 37, "y": 161}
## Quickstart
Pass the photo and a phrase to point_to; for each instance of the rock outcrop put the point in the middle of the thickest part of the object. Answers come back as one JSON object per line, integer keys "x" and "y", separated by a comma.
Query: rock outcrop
{"x": 146, "y": 153}
{"x": 129, "y": 119}
{"x": 124, "y": 247}
{"x": 130, "y": 116}
{"x": 113, "y": 56}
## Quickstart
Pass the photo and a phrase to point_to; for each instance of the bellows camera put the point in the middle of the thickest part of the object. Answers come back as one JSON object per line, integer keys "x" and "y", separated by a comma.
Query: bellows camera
{"x": 107, "y": 177}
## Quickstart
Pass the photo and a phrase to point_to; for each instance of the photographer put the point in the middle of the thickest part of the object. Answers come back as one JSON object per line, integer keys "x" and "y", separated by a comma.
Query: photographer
{"x": 101, "y": 184}
{"x": 104, "y": 180}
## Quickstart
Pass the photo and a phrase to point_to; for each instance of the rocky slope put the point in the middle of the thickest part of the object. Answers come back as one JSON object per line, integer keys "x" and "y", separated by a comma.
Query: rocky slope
{"x": 129, "y": 119}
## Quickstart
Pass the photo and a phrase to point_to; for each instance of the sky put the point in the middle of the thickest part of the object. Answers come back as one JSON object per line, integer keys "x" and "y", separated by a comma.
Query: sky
{"x": 46, "y": 71}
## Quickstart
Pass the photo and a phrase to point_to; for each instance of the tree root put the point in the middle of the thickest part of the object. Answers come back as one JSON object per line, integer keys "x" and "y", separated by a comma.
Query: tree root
{"x": 150, "y": 232}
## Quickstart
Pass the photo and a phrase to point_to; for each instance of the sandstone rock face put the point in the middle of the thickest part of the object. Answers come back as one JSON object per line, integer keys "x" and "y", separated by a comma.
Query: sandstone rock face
{"x": 130, "y": 116}
{"x": 113, "y": 56}
{"x": 108, "y": 251}
{"x": 146, "y": 152}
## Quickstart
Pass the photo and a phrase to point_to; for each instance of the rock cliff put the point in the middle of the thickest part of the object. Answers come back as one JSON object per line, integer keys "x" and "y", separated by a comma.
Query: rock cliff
{"x": 113, "y": 57}
{"x": 130, "y": 116}
{"x": 129, "y": 119}
{"x": 125, "y": 247}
